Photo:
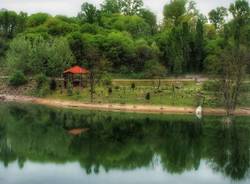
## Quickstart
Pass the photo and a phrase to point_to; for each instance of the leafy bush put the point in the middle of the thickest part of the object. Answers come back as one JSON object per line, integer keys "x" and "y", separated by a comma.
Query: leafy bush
{"x": 117, "y": 87}
{"x": 110, "y": 90}
{"x": 133, "y": 86}
{"x": 43, "y": 91}
{"x": 69, "y": 89}
{"x": 147, "y": 97}
{"x": 52, "y": 85}
{"x": 107, "y": 80}
{"x": 41, "y": 80}
{"x": 17, "y": 79}
{"x": 154, "y": 69}
{"x": 42, "y": 85}
{"x": 78, "y": 92}
{"x": 33, "y": 50}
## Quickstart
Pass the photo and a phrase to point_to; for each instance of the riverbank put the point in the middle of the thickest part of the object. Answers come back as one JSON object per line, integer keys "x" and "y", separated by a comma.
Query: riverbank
{"x": 182, "y": 92}
{"x": 153, "y": 109}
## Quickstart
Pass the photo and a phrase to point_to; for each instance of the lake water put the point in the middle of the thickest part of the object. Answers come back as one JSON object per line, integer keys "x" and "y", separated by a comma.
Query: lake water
{"x": 124, "y": 148}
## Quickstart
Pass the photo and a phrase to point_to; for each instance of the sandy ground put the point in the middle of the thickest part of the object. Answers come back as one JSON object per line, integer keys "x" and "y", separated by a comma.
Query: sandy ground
{"x": 154, "y": 109}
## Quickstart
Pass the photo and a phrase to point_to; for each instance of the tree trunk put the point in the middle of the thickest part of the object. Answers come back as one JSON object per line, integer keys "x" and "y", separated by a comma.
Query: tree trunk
{"x": 159, "y": 84}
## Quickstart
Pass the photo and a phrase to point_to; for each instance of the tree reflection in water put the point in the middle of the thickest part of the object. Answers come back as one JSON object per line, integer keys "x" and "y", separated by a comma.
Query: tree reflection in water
{"x": 123, "y": 141}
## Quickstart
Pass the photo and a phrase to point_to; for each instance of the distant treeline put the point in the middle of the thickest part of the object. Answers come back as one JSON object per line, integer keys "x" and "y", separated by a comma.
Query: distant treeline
{"x": 124, "y": 35}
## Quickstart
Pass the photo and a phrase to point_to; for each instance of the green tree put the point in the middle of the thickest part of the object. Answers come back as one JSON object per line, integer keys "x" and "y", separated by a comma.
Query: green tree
{"x": 37, "y": 19}
{"x": 57, "y": 27}
{"x": 22, "y": 22}
{"x": 209, "y": 31}
{"x": 213, "y": 49}
{"x": 150, "y": 19}
{"x": 91, "y": 29}
{"x": 88, "y": 13}
{"x": 240, "y": 11}
{"x": 97, "y": 66}
{"x": 18, "y": 56}
{"x": 234, "y": 62}
{"x": 235, "y": 58}
{"x": 77, "y": 46}
{"x": 70, "y": 20}
{"x": 154, "y": 69}
{"x": 60, "y": 57}
{"x": 111, "y": 6}
{"x": 39, "y": 56}
{"x": 119, "y": 49}
{"x": 135, "y": 25}
{"x": 217, "y": 17}
{"x": 174, "y": 11}
{"x": 131, "y": 7}
{"x": 3, "y": 48}
{"x": 175, "y": 51}
{"x": 186, "y": 40}
{"x": 127, "y": 35}
{"x": 245, "y": 34}
{"x": 199, "y": 46}
{"x": 11, "y": 23}
{"x": 144, "y": 52}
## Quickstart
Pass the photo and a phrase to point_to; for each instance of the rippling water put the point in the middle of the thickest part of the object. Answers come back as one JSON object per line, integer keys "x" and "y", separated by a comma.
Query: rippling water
{"x": 35, "y": 147}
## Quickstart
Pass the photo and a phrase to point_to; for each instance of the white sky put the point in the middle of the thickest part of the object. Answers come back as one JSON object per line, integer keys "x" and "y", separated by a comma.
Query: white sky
{"x": 72, "y": 7}
{"x": 71, "y": 172}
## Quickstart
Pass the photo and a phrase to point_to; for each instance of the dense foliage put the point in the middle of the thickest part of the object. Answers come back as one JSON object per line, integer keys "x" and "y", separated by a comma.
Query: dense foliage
{"x": 126, "y": 35}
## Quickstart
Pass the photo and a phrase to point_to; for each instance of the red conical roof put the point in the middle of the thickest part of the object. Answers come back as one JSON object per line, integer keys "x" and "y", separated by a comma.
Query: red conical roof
{"x": 77, "y": 70}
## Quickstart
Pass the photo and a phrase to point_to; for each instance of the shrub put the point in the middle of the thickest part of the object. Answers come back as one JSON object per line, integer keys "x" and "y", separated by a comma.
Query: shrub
{"x": 69, "y": 89}
{"x": 43, "y": 91}
{"x": 78, "y": 92}
{"x": 147, "y": 97}
{"x": 110, "y": 90}
{"x": 52, "y": 85}
{"x": 133, "y": 86}
{"x": 17, "y": 79}
{"x": 117, "y": 87}
{"x": 41, "y": 80}
{"x": 107, "y": 80}
{"x": 42, "y": 84}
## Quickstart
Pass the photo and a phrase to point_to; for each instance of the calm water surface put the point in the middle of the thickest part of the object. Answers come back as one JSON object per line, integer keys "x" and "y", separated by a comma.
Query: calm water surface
{"x": 36, "y": 148}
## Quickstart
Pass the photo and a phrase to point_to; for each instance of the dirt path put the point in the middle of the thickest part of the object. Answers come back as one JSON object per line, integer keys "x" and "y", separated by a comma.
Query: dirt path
{"x": 154, "y": 109}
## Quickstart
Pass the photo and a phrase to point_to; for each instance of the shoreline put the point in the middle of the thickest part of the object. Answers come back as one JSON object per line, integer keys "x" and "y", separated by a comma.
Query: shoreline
{"x": 137, "y": 108}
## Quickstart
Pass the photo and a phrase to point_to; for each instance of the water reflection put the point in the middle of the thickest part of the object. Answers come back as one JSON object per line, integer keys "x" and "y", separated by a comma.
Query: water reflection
{"x": 123, "y": 142}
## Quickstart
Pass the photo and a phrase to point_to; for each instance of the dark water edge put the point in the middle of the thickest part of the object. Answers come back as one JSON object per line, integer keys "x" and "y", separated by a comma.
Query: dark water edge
{"x": 35, "y": 147}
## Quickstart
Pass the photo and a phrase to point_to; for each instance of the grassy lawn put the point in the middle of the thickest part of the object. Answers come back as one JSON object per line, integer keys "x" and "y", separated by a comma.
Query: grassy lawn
{"x": 182, "y": 94}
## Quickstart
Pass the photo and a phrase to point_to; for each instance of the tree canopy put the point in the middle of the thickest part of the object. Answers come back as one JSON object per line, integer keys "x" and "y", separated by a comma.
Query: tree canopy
{"x": 127, "y": 35}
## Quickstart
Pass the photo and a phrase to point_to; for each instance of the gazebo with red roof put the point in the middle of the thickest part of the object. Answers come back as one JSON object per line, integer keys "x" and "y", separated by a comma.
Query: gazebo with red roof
{"x": 75, "y": 75}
